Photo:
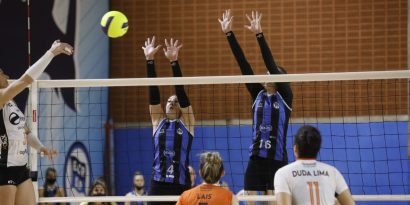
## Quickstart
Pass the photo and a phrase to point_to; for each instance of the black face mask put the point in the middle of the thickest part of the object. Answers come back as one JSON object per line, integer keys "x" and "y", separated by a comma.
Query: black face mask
{"x": 138, "y": 187}
{"x": 99, "y": 194}
{"x": 50, "y": 180}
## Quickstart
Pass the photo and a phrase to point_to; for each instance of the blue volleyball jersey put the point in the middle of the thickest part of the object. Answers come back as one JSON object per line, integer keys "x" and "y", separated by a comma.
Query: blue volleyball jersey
{"x": 51, "y": 193}
{"x": 172, "y": 144}
{"x": 270, "y": 123}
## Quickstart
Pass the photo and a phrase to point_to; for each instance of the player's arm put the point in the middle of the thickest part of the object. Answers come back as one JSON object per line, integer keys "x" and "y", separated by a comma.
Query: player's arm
{"x": 343, "y": 194}
{"x": 282, "y": 190}
{"x": 246, "y": 69}
{"x": 284, "y": 87}
{"x": 255, "y": 26}
{"x": 283, "y": 198}
{"x": 171, "y": 52}
{"x": 345, "y": 198}
{"x": 155, "y": 108}
{"x": 34, "y": 71}
{"x": 34, "y": 142}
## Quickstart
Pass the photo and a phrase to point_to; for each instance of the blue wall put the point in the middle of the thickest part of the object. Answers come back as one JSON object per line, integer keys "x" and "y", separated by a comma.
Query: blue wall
{"x": 371, "y": 156}
{"x": 60, "y": 126}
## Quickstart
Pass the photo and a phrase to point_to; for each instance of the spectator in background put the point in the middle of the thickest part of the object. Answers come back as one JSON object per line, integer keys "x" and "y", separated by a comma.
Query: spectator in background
{"x": 137, "y": 189}
{"x": 50, "y": 188}
{"x": 193, "y": 175}
{"x": 99, "y": 188}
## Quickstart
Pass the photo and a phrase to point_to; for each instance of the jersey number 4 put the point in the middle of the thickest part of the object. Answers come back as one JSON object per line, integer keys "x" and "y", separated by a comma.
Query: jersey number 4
{"x": 314, "y": 188}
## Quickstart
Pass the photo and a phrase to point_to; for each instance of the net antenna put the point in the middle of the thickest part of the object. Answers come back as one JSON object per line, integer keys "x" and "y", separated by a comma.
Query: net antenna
{"x": 32, "y": 106}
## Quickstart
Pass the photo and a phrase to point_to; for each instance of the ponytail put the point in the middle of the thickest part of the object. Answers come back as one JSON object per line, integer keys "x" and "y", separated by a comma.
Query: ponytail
{"x": 211, "y": 167}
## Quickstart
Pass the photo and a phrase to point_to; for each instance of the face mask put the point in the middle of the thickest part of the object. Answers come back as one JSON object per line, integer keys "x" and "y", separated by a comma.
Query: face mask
{"x": 99, "y": 194}
{"x": 138, "y": 187}
{"x": 50, "y": 180}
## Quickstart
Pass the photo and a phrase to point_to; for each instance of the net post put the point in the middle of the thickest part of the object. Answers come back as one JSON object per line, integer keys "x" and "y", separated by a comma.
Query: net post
{"x": 33, "y": 163}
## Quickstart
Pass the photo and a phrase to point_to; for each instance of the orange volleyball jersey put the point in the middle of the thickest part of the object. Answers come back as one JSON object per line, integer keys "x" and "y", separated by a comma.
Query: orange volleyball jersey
{"x": 206, "y": 194}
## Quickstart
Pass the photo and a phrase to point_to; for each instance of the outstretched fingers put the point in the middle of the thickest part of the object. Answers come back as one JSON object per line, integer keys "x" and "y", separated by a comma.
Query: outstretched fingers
{"x": 166, "y": 43}
{"x": 153, "y": 40}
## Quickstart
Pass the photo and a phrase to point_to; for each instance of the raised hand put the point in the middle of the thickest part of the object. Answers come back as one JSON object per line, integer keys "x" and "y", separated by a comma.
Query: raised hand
{"x": 255, "y": 22}
{"x": 150, "y": 49}
{"x": 171, "y": 52}
{"x": 60, "y": 47}
{"x": 226, "y": 22}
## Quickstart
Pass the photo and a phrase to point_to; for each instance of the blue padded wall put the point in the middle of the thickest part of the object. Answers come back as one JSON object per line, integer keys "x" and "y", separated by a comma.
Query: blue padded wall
{"x": 371, "y": 156}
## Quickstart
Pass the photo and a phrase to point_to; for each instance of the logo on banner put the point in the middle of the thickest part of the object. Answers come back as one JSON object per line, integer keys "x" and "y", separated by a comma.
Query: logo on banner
{"x": 77, "y": 170}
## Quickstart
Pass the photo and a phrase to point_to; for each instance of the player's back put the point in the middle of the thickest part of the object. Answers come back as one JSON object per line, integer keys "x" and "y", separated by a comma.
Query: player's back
{"x": 310, "y": 182}
{"x": 206, "y": 194}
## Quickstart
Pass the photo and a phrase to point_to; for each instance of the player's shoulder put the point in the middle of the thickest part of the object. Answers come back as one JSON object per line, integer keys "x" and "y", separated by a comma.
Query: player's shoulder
{"x": 187, "y": 194}
{"x": 288, "y": 168}
{"x": 325, "y": 165}
{"x": 332, "y": 169}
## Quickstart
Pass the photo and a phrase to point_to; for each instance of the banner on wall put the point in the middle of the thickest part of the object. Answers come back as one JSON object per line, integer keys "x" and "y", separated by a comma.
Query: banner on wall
{"x": 60, "y": 121}
{"x": 77, "y": 170}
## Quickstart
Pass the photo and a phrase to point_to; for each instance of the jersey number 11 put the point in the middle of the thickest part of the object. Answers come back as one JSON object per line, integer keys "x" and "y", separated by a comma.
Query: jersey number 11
{"x": 315, "y": 186}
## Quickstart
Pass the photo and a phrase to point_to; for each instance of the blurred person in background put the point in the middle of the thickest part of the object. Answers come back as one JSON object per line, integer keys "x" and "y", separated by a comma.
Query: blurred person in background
{"x": 138, "y": 189}
{"x": 50, "y": 187}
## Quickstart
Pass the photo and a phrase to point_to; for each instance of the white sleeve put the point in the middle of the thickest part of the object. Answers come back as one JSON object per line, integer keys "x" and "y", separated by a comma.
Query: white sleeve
{"x": 341, "y": 184}
{"x": 34, "y": 142}
{"x": 280, "y": 182}
{"x": 38, "y": 67}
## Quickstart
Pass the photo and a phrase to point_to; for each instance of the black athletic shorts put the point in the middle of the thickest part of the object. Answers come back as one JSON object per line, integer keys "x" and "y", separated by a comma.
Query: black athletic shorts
{"x": 13, "y": 175}
{"x": 163, "y": 188}
{"x": 260, "y": 173}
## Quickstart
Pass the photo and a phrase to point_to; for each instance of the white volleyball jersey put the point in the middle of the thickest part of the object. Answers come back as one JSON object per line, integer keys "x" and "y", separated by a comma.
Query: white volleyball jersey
{"x": 310, "y": 182}
{"x": 13, "y": 151}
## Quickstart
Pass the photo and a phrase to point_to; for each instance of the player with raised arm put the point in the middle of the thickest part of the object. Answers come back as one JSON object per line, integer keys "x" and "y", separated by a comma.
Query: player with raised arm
{"x": 173, "y": 130}
{"x": 16, "y": 187}
{"x": 272, "y": 106}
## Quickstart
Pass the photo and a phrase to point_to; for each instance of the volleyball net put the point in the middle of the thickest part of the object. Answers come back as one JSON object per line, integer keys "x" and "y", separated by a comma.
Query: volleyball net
{"x": 363, "y": 118}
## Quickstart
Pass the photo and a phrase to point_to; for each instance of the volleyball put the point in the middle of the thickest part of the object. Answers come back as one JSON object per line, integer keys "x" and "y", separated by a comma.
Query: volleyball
{"x": 114, "y": 24}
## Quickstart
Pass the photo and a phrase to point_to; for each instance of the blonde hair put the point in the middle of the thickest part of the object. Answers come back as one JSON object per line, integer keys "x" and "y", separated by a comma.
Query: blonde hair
{"x": 211, "y": 167}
